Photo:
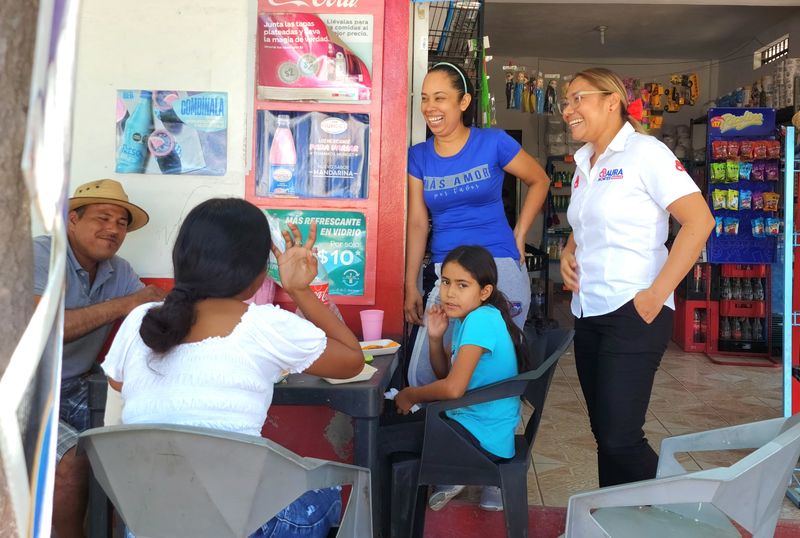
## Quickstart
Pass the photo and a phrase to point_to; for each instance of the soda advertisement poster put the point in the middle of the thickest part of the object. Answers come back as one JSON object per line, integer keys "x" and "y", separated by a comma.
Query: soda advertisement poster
{"x": 322, "y": 57}
{"x": 341, "y": 245}
{"x": 172, "y": 132}
{"x": 312, "y": 154}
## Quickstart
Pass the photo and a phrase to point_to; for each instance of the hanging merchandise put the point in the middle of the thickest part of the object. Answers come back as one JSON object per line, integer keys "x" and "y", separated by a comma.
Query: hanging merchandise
{"x": 743, "y": 168}
{"x": 509, "y": 89}
{"x": 519, "y": 88}
{"x": 539, "y": 93}
{"x": 551, "y": 94}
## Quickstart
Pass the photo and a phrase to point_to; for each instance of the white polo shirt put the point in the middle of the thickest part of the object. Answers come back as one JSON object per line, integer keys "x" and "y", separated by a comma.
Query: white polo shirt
{"x": 619, "y": 218}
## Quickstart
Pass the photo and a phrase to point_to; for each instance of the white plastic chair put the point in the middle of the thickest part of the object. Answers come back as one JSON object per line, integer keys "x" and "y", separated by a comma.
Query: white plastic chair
{"x": 177, "y": 481}
{"x": 703, "y": 503}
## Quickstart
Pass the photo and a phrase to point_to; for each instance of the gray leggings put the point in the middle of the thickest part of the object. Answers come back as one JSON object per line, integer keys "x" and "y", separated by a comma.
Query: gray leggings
{"x": 512, "y": 280}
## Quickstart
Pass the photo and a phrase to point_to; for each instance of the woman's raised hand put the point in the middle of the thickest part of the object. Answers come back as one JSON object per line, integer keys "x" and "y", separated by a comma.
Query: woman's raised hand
{"x": 297, "y": 265}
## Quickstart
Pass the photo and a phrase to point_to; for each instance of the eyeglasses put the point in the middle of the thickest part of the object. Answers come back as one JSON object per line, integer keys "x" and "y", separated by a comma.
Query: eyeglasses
{"x": 575, "y": 100}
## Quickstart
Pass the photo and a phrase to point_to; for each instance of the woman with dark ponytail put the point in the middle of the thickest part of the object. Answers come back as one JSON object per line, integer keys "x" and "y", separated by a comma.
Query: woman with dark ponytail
{"x": 205, "y": 358}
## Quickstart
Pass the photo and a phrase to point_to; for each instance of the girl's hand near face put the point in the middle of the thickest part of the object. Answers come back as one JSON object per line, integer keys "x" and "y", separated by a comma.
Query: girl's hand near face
{"x": 437, "y": 321}
{"x": 297, "y": 265}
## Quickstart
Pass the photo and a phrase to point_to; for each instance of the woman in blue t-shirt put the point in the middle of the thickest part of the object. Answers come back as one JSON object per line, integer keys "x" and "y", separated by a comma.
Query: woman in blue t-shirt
{"x": 486, "y": 347}
{"x": 456, "y": 179}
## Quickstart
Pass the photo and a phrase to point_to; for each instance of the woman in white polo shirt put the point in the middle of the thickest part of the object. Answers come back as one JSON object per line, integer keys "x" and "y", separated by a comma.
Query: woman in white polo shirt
{"x": 626, "y": 185}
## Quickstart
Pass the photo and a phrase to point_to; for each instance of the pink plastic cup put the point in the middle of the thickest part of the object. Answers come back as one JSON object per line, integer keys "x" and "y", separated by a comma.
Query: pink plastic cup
{"x": 371, "y": 324}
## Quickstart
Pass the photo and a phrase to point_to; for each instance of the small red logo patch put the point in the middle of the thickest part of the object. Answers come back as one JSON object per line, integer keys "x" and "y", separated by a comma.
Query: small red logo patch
{"x": 679, "y": 166}
{"x": 576, "y": 182}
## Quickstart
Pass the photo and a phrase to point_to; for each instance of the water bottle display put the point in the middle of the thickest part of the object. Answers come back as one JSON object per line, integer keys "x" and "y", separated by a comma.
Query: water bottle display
{"x": 312, "y": 154}
{"x": 132, "y": 154}
{"x": 172, "y": 132}
{"x": 282, "y": 160}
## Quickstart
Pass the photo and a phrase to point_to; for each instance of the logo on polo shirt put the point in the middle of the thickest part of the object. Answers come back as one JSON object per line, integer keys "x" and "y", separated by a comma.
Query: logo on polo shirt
{"x": 576, "y": 182}
{"x": 607, "y": 174}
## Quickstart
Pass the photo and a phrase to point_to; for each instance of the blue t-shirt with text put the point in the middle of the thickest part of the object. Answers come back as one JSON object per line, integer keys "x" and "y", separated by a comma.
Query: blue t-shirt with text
{"x": 464, "y": 193}
{"x": 492, "y": 423}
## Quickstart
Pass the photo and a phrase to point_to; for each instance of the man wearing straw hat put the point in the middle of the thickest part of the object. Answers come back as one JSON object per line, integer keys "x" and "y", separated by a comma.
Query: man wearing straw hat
{"x": 101, "y": 287}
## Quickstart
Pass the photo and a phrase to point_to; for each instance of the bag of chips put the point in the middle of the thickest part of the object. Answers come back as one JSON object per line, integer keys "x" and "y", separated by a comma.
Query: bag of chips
{"x": 719, "y": 150}
{"x": 745, "y": 199}
{"x": 731, "y": 225}
{"x": 772, "y": 171}
{"x": 773, "y": 149}
{"x": 744, "y": 171}
{"x": 758, "y": 201}
{"x": 746, "y": 150}
{"x": 758, "y": 227}
{"x": 732, "y": 200}
{"x": 718, "y": 226}
{"x": 757, "y": 173}
{"x": 760, "y": 149}
{"x": 731, "y": 171}
{"x": 773, "y": 226}
{"x": 771, "y": 201}
{"x": 719, "y": 199}
{"x": 717, "y": 172}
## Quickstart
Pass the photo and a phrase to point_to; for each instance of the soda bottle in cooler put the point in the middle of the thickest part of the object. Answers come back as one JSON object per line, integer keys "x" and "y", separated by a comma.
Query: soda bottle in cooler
{"x": 757, "y": 330}
{"x": 697, "y": 327}
{"x": 736, "y": 329}
{"x": 758, "y": 290}
{"x": 736, "y": 289}
{"x": 747, "y": 329}
{"x": 726, "y": 292}
{"x": 747, "y": 290}
{"x": 282, "y": 160}
{"x": 725, "y": 329}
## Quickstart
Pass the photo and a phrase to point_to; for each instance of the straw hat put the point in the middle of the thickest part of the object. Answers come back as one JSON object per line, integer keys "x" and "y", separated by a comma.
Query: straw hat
{"x": 108, "y": 191}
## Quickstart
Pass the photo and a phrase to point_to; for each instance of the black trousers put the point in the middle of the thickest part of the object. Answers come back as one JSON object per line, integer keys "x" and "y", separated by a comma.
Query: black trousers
{"x": 617, "y": 355}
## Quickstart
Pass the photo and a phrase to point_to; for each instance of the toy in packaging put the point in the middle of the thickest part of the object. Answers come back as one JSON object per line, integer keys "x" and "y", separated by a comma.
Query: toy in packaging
{"x": 717, "y": 172}
{"x": 731, "y": 171}
{"x": 771, "y": 201}
{"x": 745, "y": 199}
{"x": 758, "y": 227}
{"x": 733, "y": 200}
{"x": 744, "y": 171}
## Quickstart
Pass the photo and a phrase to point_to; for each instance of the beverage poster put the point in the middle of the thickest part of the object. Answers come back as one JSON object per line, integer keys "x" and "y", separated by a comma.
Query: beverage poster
{"x": 312, "y": 154}
{"x": 341, "y": 245}
{"x": 172, "y": 132}
{"x": 323, "y": 57}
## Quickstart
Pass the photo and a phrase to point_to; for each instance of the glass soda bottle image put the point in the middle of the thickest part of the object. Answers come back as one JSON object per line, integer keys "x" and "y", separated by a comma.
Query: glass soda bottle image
{"x": 282, "y": 160}
{"x": 132, "y": 154}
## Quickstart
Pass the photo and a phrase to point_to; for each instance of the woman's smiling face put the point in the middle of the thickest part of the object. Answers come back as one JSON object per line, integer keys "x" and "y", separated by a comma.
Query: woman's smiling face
{"x": 589, "y": 115}
{"x": 441, "y": 106}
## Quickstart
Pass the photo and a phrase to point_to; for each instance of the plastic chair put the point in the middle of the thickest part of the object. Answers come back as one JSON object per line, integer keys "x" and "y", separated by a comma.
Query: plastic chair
{"x": 177, "y": 481}
{"x": 448, "y": 458}
{"x": 702, "y": 503}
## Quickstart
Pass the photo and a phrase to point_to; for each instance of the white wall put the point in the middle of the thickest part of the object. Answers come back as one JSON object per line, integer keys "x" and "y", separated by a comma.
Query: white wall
{"x": 738, "y": 70}
{"x": 200, "y": 45}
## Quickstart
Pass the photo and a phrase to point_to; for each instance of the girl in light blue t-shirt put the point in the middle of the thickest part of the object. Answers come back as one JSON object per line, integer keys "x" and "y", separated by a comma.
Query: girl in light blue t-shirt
{"x": 486, "y": 347}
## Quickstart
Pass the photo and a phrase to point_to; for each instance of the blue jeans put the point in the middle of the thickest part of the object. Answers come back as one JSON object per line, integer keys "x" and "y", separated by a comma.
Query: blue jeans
{"x": 310, "y": 516}
{"x": 74, "y": 407}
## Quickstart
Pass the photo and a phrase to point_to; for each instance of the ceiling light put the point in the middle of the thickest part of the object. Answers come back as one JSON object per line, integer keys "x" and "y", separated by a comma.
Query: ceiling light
{"x": 602, "y": 29}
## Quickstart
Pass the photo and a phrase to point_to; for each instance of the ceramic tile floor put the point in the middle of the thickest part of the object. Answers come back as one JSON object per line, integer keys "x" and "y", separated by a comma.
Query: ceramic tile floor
{"x": 690, "y": 394}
